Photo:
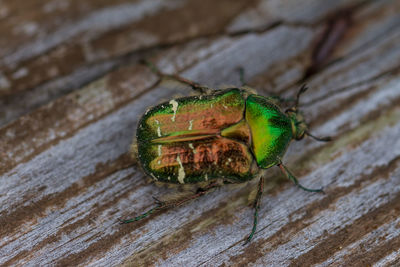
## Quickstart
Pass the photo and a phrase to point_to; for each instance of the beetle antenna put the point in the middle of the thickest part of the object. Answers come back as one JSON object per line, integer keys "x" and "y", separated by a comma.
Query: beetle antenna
{"x": 303, "y": 88}
{"x": 321, "y": 139}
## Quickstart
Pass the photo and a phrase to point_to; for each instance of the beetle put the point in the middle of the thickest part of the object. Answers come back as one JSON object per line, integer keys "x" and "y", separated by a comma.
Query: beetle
{"x": 217, "y": 137}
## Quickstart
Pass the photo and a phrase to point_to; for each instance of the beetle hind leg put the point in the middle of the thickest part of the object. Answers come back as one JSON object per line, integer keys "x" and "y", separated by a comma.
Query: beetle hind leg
{"x": 257, "y": 205}
{"x": 163, "y": 205}
{"x": 195, "y": 86}
{"x": 142, "y": 216}
{"x": 290, "y": 176}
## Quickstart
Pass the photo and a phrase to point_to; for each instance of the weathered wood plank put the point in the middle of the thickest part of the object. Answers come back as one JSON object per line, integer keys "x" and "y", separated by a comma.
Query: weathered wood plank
{"x": 66, "y": 176}
{"x": 43, "y": 66}
{"x": 96, "y": 35}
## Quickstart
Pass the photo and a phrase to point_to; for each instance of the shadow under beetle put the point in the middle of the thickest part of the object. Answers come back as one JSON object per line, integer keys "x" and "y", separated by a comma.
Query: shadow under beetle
{"x": 217, "y": 137}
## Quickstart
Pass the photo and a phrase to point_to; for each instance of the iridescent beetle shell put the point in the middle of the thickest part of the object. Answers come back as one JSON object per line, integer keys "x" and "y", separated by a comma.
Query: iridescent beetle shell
{"x": 221, "y": 135}
{"x": 229, "y": 134}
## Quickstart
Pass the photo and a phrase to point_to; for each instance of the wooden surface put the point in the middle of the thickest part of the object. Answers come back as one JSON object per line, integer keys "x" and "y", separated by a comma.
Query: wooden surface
{"x": 72, "y": 91}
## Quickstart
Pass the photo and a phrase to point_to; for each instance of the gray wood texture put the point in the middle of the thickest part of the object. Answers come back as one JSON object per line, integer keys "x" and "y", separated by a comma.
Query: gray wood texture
{"x": 72, "y": 91}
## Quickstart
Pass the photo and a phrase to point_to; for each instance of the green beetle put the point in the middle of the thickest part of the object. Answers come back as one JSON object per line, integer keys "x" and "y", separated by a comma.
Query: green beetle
{"x": 217, "y": 137}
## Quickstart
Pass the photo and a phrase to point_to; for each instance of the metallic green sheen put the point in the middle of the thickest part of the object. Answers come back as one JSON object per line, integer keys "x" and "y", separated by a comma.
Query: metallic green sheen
{"x": 271, "y": 130}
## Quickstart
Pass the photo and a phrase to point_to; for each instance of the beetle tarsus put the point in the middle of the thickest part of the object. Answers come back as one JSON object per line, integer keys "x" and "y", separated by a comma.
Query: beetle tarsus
{"x": 257, "y": 205}
{"x": 290, "y": 176}
{"x": 158, "y": 202}
{"x": 162, "y": 205}
{"x": 142, "y": 216}
{"x": 318, "y": 190}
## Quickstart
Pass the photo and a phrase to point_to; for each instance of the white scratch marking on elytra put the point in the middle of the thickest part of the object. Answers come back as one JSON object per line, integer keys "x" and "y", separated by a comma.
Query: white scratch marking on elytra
{"x": 159, "y": 150}
{"x": 181, "y": 172}
{"x": 192, "y": 148}
{"x": 155, "y": 178}
{"x": 158, "y": 128}
{"x": 190, "y": 125}
{"x": 174, "y": 108}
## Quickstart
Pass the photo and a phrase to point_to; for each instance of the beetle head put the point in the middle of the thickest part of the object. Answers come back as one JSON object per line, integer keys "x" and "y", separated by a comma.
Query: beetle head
{"x": 299, "y": 126}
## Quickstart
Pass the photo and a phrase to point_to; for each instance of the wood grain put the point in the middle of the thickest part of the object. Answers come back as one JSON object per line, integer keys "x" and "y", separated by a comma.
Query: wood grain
{"x": 72, "y": 90}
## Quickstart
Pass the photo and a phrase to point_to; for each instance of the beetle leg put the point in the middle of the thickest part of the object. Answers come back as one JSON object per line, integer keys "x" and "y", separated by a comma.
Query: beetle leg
{"x": 321, "y": 139}
{"x": 163, "y": 205}
{"x": 289, "y": 175}
{"x": 257, "y": 205}
{"x": 195, "y": 86}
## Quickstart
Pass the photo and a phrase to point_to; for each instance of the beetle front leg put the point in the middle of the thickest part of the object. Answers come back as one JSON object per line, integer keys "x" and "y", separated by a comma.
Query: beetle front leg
{"x": 163, "y": 205}
{"x": 290, "y": 176}
{"x": 257, "y": 205}
{"x": 195, "y": 86}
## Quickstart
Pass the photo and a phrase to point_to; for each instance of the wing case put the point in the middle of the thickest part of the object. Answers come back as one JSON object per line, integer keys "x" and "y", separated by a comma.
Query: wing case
{"x": 180, "y": 141}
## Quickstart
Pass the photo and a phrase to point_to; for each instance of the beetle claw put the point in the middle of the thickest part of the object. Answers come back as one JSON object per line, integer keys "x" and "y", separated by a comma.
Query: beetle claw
{"x": 246, "y": 242}
{"x": 158, "y": 202}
